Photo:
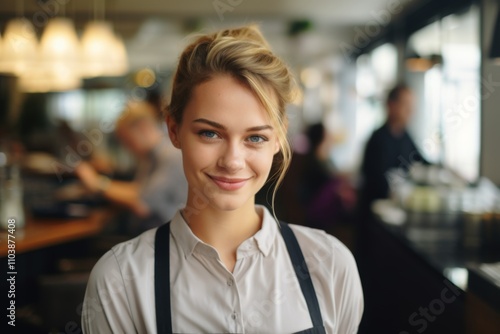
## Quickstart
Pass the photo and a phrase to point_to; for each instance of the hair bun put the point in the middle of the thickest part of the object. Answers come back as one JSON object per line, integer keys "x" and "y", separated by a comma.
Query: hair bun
{"x": 250, "y": 32}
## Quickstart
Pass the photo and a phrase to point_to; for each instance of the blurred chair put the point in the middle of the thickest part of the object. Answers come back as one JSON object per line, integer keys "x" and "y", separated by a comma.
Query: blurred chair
{"x": 60, "y": 301}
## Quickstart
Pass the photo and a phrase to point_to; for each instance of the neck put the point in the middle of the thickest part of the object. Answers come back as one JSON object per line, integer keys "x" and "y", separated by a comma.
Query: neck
{"x": 396, "y": 129}
{"x": 224, "y": 230}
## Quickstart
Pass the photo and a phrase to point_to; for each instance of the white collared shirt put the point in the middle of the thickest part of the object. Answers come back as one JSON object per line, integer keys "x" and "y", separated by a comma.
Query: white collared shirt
{"x": 262, "y": 295}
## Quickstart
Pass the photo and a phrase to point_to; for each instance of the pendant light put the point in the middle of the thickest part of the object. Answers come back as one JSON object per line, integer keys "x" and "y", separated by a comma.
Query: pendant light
{"x": 3, "y": 69}
{"x": 19, "y": 47}
{"x": 59, "y": 58}
{"x": 103, "y": 52}
{"x": 119, "y": 62}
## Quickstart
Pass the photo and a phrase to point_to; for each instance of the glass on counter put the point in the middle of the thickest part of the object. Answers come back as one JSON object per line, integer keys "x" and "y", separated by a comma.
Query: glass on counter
{"x": 435, "y": 191}
{"x": 11, "y": 195}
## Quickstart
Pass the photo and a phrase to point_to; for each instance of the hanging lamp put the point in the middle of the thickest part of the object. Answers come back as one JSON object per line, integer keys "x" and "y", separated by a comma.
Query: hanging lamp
{"x": 19, "y": 47}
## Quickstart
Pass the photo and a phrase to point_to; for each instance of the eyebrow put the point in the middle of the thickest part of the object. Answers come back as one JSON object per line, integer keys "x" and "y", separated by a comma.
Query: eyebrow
{"x": 222, "y": 127}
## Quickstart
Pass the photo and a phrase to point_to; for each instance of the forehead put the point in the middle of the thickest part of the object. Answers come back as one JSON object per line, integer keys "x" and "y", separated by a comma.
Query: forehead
{"x": 225, "y": 99}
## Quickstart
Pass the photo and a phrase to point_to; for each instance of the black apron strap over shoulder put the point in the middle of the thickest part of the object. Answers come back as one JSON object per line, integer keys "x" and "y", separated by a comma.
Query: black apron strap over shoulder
{"x": 162, "y": 280}
{"x": 306, "y": 284}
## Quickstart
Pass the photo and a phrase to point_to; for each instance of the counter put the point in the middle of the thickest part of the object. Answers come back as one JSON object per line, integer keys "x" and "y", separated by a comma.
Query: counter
{"x": 427, "y": 264}
{"x": 45, "y": 232}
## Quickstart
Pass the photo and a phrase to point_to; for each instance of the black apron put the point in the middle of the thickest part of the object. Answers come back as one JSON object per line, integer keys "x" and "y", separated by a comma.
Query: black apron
{"x": 162, "y": 275}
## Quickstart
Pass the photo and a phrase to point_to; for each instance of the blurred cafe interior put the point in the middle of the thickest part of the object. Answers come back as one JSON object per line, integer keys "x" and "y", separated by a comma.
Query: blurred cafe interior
{"x": 421, "y": 214}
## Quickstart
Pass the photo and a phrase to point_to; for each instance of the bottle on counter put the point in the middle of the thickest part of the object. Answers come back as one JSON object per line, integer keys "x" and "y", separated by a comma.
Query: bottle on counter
{"x": 11, "y": 195}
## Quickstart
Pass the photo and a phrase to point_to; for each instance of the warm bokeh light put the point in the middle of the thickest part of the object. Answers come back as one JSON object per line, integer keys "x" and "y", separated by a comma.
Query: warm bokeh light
{"x": 103, "y": 53}
{"x": 18, "y": 47}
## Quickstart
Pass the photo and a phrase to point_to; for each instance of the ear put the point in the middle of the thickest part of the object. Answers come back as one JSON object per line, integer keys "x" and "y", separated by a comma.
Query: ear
{"x": 173, "y": 131}
{"x": 277, "y": 148}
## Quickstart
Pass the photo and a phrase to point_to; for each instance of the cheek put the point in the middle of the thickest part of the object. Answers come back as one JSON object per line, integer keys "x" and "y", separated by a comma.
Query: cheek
{"x": 262, "y": 162}
{"x": 195, "y": 155}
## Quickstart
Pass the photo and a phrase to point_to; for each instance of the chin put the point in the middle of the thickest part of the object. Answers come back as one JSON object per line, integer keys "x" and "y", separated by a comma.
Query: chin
{"x": 231, "y": 203}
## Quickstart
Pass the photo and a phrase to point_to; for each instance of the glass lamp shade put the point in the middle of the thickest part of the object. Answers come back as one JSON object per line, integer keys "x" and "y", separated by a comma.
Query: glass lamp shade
{"x": 119, "y": 62}
{"x": 19, "y": 47}
{"x": 103, "y": 53}
{"x": 58, "y": 66}
{"x": 2, "y": 66}
{"x": 59, "y": 46}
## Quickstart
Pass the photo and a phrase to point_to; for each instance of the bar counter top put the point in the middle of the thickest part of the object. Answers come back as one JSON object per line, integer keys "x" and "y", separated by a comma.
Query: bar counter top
{"x": 441, "y": 241}
{"x": 44, "y": 232}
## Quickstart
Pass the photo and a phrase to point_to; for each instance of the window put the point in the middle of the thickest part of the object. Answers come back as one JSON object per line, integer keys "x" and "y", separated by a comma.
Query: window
{"x": 446, "y": 125}
{"x": 376, "y": 75}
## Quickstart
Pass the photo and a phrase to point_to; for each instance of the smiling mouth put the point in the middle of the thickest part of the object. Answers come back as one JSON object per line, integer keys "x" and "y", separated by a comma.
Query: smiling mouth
{"x": 228, "y": 184}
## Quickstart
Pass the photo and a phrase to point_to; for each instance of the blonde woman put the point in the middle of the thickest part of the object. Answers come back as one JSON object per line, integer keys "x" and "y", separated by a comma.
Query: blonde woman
{"x": 224, "y": 264}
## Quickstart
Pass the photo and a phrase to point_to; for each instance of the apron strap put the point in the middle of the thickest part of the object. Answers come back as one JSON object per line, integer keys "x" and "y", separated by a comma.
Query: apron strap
{"x": 162, "y": 280}
{"x": 302, "y": 272}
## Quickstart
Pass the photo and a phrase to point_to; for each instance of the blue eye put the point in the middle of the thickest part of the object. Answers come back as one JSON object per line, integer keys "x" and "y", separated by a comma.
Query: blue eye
{"x": 208, "y": 134}
{"x": 256, "y": 139}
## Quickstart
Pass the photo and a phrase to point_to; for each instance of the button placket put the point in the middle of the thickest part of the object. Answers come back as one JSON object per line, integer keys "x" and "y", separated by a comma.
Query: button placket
{"x": 230, "y": 282}
{"x": 234, "y": 315}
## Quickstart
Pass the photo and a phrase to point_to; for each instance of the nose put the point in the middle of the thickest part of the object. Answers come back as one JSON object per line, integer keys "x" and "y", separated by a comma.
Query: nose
{"x": 232, "y": 159}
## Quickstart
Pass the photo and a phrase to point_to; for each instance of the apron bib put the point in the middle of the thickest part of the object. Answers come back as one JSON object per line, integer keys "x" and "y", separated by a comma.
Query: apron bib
{"x": 162, "y": 274}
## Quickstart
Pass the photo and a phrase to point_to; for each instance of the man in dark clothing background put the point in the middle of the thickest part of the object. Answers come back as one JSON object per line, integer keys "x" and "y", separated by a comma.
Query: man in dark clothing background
{"x": 389, "y": 147}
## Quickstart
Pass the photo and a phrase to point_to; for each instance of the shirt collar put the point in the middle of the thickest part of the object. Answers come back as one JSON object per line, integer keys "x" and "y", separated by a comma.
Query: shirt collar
{"x": 183, "y": 235}
{"x": 264, "y": 238}
{"x": 267, "y": 233}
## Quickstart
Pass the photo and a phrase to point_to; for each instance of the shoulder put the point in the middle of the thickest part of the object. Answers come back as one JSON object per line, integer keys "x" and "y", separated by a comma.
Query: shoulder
{"x": 380, "y": 133}
{"x": 376, "y": 139}
{"x": 143, "y": 242}
{"x": 323, "y": 249}
{"x": 124, "y": 259}
{"x": 118, "y": 290}
{"x": 335, "y": 277}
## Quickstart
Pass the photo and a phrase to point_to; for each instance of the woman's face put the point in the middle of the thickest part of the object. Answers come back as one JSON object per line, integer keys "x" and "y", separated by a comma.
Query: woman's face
{"x": 227, "y": 143}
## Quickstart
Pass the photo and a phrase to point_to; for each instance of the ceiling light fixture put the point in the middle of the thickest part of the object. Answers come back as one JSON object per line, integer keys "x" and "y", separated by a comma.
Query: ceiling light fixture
{"x": 19, "y": 47}
{"x": 103, "y": 52}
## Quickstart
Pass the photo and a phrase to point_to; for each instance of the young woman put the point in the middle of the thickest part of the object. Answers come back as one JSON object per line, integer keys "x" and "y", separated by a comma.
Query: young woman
{"x": 224, "y": 264}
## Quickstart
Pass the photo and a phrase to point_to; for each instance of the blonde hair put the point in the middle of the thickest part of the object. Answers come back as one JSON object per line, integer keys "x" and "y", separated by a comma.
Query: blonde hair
{"x": 244, "y": 54}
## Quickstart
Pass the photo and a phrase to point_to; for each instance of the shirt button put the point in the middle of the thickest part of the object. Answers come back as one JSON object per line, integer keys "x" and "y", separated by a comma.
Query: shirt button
{"x": 230, "y": 282}
{"x": 233, "y": 316}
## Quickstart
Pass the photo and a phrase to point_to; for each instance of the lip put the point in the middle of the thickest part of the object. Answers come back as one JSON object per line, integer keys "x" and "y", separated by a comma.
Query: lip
{"x": 228, "y": 184}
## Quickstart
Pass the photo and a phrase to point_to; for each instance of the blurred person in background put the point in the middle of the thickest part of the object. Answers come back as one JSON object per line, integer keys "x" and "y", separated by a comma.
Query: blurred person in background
{"x": 389, "y": 147}
{"x": 313, "y": 192}
{"x": 159, "y": 185}
{"x": 327, "y": 196}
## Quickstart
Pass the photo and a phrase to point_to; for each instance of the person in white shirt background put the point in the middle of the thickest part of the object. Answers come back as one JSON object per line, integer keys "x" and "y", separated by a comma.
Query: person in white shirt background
{"x": 230, "y": 265}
